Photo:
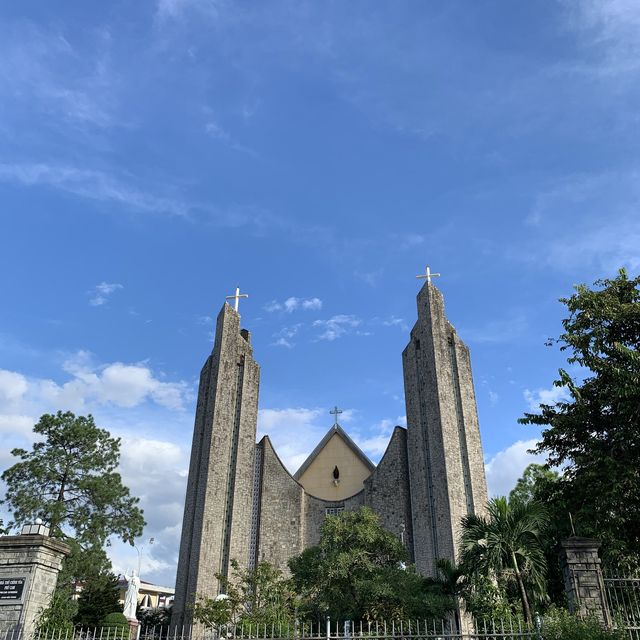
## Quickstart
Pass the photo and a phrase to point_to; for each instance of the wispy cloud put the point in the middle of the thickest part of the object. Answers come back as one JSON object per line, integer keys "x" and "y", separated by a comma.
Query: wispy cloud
{"x": 42, "y": 70}
{"x": 101, "y": 292}
{"x": 337, "y": 326}
{"x": 216, "y": 132}
{"x": 294, "y": 304}
{"x": 544, "y": 396}
{"x": 283, "y": 338}
{"x": 86, "y": 183}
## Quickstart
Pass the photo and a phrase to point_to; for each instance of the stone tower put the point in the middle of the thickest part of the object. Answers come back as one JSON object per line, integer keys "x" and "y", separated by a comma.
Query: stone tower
{"x": 218, "y": 506}
{"x": 446, "y": 468}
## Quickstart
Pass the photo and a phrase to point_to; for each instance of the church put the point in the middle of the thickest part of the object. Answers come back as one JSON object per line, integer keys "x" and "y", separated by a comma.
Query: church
{"x": 243, "y": 504}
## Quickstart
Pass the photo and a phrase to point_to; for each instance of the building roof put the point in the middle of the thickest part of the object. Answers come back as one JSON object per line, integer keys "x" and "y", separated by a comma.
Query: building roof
{"x": 336, "y": 429}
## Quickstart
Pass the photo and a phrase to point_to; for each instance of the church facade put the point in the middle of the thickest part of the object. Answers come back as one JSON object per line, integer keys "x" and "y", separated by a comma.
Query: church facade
{"x": 243, "y": 504}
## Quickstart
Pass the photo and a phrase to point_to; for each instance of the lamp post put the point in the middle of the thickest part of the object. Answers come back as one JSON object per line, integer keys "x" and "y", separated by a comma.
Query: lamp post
{"x": 140, "y": 550}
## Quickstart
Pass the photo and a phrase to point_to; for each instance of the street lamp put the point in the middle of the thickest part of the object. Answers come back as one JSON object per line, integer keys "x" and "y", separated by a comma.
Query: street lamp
{"x": 140, "y": 550}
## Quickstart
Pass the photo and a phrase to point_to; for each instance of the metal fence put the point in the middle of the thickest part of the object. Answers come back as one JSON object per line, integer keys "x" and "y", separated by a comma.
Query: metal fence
{"x": 623, "y": 598}
{"x": 329, "y": 630}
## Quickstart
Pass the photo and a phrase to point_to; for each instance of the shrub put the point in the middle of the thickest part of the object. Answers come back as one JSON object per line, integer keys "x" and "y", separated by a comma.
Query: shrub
{"x": 116, "y": 625}
{"x": 561, "y": 625}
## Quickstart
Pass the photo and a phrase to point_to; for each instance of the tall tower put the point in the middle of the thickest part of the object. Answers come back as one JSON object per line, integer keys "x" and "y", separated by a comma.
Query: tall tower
{"x": 446, "y": 468}
{"x": 218, "y": 506}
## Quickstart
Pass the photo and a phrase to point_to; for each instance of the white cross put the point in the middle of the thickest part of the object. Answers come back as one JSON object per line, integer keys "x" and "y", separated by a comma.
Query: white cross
{"x": 237, "y": 297}
{"x": 334, "y": 412}
{"x": 428, "y": 275}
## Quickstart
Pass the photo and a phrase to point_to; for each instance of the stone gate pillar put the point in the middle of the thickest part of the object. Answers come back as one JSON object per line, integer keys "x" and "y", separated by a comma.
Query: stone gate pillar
{"x": 29, "y": 567}
{"x": 583, "y": 580}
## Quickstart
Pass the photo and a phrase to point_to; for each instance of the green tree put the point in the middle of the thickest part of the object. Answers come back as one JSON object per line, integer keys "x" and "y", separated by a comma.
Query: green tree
{"x": 98, "y": 598}
{"x": 260, "y": 596}
{"x": 356, "y": 572}
{"x": 530, "y": 484}
{"x": 507, "y": 545}
{"x": 595, "y": 432}
{"x": 69, "y": 479}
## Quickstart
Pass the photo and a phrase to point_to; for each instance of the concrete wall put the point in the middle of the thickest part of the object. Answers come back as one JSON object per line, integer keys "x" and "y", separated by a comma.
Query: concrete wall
{"x": 318, "y": 479}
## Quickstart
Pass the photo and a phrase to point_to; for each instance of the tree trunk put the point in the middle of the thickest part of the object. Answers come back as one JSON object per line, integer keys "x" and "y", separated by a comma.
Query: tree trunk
{"x": 523, "y": 593}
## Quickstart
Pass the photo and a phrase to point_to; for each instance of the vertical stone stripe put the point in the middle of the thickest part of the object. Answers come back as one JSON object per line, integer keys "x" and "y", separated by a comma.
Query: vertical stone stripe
{"x": 233, "y": 460}
{"x": 427, "y": 473}
{"x": 255, "y": 507}
{"x": 462, "y": 436}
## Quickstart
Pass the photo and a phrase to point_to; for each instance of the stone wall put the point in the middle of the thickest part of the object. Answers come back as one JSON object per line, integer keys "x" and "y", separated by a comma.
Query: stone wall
{"x": 217, "y": 517}
{"x": 386, "y": 491}
{"x": 281, "y": 527}
{"x": 445, "y": 455}
{"x": 583, "y": 581}
{"x": 38, "y": 559}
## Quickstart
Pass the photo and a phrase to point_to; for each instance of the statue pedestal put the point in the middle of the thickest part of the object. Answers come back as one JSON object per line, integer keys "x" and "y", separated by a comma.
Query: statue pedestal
{"x": 134, "y": 628}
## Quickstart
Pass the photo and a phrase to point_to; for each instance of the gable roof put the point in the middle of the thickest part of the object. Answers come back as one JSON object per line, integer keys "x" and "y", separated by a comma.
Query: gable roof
{"x": 336, "y": 429}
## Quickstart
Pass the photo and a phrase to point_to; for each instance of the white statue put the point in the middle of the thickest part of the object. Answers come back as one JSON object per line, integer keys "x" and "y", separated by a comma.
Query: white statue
{"x": 131, "y": 597}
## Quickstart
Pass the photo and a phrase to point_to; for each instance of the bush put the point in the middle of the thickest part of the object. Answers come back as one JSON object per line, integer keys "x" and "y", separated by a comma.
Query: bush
{"x": 116, "y": 625}
{"x": 561, "y": 625}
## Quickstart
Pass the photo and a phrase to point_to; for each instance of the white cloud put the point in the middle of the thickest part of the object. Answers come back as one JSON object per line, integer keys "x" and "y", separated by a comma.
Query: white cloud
{"x": 544, "y": 396}
{"x": 102, "y": 291}
{"x": 285, "y": 335}
{"x": 493, "y": 398}
{"x": 337, "y": 326}
{"x": 292, "y": 304}
{"x": 13, "y": 385}
{"x": 506, "y": 466}
{"x": 396, "y": 322}
{"x": 294, "y": 431}
{"x": 375, "y": 443}
{"x": 130, "y": 401}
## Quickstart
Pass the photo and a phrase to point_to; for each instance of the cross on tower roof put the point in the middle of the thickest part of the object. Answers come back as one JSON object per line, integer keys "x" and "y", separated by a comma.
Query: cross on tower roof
{"x": 334, "y": 412}
{"x": 237, "y": 297}
{"x": 428, "y": 275}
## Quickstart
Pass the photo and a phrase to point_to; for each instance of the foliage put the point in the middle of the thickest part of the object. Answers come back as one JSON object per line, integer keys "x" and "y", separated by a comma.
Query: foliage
{"x": 540, "y": 484}
{"x": 69, "y": 479}
{"x": 507, "y": 545}
{"x": 561, "y": 625}
{"x": 251, "y": 596}
{"x": 485, "y": 600}
{"x": 58, "y": 616}
{"x": 115, "y": 625}
{"x": 357, "y": 572}
{"x": 595, "y": 432}
{"x": 99, "y": 597}
{"x": 158, "y": 617}
{"x": 528, "y": 486}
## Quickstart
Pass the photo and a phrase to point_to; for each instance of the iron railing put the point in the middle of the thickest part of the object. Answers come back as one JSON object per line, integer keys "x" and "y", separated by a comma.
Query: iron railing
{"x": 623, "y": 598}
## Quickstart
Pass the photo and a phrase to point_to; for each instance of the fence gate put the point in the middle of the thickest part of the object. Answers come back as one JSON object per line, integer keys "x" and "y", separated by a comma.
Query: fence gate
{"x": 623, "y": 597}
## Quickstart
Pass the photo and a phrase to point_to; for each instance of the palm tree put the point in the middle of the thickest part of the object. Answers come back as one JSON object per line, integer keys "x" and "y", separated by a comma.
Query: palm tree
{"x": 507, "y": 543}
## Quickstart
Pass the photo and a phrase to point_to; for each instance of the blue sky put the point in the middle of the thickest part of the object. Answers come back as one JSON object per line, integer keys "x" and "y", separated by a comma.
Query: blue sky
{"x": 155, "y": 154}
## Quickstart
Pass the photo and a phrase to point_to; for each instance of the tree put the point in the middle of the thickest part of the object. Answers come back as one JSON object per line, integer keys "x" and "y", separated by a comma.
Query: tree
{"x": 357, "y": 571}
{"x": 259, "y": 596}
{"x": 594, "y": 434}
{"x": 69, "y": 479}
{"x": 507, "y": 545}
{"x": 98, "y": 598}
{"x": 531, "y": 483}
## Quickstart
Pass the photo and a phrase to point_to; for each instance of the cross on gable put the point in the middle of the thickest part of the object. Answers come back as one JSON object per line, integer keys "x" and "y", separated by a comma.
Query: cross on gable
{"x": 237, "y": 297}
{"x": 428, "y": 275}
{"x": 335, "y": 412}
